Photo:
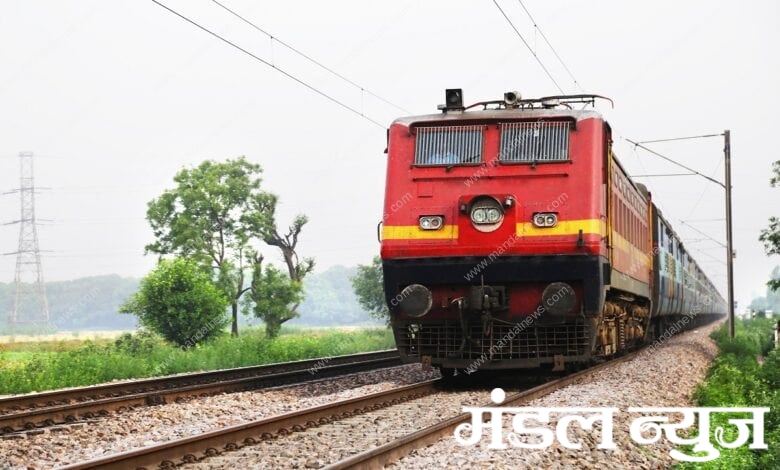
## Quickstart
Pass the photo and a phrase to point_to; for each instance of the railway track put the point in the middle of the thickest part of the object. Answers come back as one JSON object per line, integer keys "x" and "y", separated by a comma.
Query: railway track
{"x": 25, "y": 412}
{"x": 221, "y": 442}
{"x": 382, "y": 455}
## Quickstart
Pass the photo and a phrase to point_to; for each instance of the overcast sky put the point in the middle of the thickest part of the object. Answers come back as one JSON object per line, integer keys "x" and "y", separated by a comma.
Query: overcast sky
{"x": 115, "y": 97}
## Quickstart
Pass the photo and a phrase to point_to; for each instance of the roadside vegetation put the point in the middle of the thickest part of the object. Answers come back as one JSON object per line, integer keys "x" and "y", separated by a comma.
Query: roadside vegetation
{"x": 178, "y": 301}
{"x": 746, "y": 373}
{"x": 369, "y": 291}
{"x": 28, "y": 367}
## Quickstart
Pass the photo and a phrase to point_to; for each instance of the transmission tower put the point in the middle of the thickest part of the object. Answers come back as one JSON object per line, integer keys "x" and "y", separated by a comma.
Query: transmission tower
{"x": 30, "y": 304}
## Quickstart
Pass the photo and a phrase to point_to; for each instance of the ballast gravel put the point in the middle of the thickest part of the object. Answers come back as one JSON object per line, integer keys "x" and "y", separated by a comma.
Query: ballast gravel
{"x": 663, "y": 377}
{"x": 61, "y": 445}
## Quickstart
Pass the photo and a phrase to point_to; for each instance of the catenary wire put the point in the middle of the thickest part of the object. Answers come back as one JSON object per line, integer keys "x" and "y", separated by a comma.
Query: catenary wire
{"x": 282, "y": 71}
{"x": 310, "y": 59}
{"x": 526, "y": 45}
{"x": 550, "y": 45}
{"x": 673, "y": 162}
{"x": 680, "y": 138}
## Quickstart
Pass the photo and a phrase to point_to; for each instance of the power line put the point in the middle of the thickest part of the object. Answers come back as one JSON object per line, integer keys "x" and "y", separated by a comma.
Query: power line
{"x": 526, "y": 45}
{"x": 310, "y": 59}
{"x": 681, "y": 138}
{"x": 658, "y": 175}
{"x": 550, "y": 45}
{"x": 713, "y": 258}
{"x": 672, "y": 161}
{"x": 282, "y": 71}
{"x": 710, "y": 178}
{"x": 702, "y": 233}
{"x": 703, "y": 192}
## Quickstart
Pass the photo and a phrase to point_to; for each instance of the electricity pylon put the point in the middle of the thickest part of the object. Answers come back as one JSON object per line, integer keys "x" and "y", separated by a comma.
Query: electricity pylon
{"x": 30, "y": 304}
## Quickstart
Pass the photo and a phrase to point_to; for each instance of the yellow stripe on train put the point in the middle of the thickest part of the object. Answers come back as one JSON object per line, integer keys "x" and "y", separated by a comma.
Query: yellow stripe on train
{"x": 414, "y": 232}
{"x": 564, "y": 227}
{"x": 524, "y": 229}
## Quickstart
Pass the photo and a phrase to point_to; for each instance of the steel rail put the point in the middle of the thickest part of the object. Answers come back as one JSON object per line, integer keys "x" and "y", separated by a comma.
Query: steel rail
{"x": 378, "y": 457}
{"x": 191, "y": 449}
{"x": 49, "y": 408}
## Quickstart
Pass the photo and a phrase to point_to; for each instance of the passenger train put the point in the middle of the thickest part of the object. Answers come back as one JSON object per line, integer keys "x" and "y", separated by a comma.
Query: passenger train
{"x": 521, "y": 242}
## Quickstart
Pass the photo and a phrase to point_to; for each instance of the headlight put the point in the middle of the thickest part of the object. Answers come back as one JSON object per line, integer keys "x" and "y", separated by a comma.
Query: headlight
{"x": 492, "y": 215}
{"x": 431, "y": 222}
{"x": 486, "y": 213}
{"x": 545, "y": 219}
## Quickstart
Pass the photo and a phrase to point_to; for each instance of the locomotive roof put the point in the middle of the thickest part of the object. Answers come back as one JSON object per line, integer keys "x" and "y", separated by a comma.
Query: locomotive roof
{"x": 499, "y": 114}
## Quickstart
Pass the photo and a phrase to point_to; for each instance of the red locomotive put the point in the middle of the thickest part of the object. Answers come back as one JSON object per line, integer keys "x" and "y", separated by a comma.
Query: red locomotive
{"x": 513, "y": 238}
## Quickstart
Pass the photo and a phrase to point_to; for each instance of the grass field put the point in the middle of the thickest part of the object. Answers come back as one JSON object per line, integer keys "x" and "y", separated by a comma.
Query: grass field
{"x": 27, "y": 366}
{"x": 63, "y": 336}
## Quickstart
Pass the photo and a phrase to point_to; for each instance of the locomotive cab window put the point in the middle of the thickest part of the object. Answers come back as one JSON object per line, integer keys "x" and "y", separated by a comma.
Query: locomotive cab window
{"x": 534, "y": 142}
{"x": 450, "y": 145}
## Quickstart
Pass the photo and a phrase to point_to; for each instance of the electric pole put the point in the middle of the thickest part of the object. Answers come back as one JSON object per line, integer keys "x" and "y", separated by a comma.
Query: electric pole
{"x": 729, "y": 248}
{"x": 727, "y": 187}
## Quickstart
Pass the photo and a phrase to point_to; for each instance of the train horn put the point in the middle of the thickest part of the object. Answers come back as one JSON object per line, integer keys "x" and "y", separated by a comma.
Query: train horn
{"x": 511, "y": 98}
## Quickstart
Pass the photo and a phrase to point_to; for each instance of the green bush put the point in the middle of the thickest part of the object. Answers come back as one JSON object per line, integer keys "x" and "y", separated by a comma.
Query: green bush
{"x": 141, "y": 343}
{"x": 736, "y": 379}
{"x": 179, "y": 301}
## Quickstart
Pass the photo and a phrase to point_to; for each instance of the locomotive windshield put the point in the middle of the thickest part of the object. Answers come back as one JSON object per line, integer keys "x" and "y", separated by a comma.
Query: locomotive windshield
{"x": 528, "y": 142}
{"x": 450, "y": 145}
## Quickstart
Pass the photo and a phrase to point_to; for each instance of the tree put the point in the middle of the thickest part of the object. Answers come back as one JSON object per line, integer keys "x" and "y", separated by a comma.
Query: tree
{"x": 275, "y": 296}
{"x": 297, "y": 269}
{"x": 770, "y": 236}
{"x": 277, "y": 299}
{"x": 179, "y": 301}
{"x": 367, "y": 284}
{"x": 216, "y": 215}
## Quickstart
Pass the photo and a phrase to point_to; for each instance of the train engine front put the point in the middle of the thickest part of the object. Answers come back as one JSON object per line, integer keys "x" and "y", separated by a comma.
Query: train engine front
{"x": 494, "y": 237}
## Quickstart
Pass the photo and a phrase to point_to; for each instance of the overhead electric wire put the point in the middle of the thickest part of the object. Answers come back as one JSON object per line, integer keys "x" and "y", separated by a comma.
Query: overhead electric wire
{"x": 282, "y": 71}
{"x": 710, "y": 178}
{"x": 310, "y": 59}
{"x": 681, "y": 138}
{"x": 550, "y": 45}
{"x": 703, "y": 192}
{"x": 674, "y": 162}
{"x": 662, "y": 174}
{"x": 682, "y": 222}
{"x": 713, "y": 258}
{"x": 526, "y": 45}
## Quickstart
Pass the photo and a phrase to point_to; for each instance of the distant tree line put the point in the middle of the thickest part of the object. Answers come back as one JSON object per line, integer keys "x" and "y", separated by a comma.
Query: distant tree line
{"x": 88, "y": 303}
